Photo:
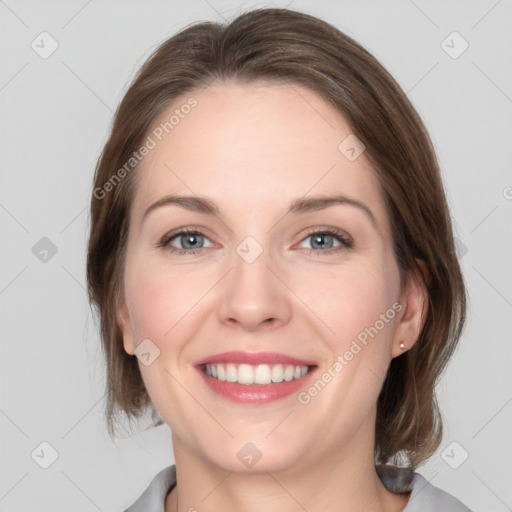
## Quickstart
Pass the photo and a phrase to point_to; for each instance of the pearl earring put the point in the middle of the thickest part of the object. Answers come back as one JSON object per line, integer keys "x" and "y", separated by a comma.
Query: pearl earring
{"x": 402, "y": 346}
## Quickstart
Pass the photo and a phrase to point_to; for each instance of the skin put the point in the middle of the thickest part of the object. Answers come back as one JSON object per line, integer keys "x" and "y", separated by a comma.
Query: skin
{"x": 253, "y": 149}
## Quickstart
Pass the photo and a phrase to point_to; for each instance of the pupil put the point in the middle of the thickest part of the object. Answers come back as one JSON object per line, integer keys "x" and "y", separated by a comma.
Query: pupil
{"x": 190, "y": 239}
{"x": 319, "y": 239}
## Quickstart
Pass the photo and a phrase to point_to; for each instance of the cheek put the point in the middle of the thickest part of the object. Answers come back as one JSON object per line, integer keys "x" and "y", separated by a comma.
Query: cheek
{"x": 359, "y": 303}
{"x": 149, "y": 306}
{"x": 158, "y": 300}
{"x": 160, "y": 297}
{"x": 352, "y": 298}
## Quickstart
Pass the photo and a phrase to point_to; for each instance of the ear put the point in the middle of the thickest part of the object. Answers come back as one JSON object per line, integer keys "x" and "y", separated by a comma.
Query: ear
{"x": 414, "y": 299}
{"x": 123, "y": 321}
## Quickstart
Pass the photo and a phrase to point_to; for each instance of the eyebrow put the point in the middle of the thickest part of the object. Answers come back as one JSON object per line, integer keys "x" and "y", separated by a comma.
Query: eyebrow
{"x": 302, "y": 205}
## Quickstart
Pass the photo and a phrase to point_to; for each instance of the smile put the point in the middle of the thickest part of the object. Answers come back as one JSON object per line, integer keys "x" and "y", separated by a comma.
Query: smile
{"x": 255, "y": 378}
{"x": 263, "y": 374}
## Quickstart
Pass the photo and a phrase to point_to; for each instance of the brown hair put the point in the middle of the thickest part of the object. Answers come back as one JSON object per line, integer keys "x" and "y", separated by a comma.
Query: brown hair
{"x": 281, "y": 45}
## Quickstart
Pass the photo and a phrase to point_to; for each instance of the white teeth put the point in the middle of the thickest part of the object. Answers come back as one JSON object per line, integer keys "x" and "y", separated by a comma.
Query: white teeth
{"x": 288, "y": 373}
{"x": 245, "y": 374}
{"x": 262, "y": 374}
{"x": 277, "y": 373}
{"x": 231, "y": 375}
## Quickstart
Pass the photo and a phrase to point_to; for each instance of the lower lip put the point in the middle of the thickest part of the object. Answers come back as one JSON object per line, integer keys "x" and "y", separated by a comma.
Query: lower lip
{"x": 255, "y": 393}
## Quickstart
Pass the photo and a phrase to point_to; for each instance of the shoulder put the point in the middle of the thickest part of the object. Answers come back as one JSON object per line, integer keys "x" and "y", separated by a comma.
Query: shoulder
{"x": 153, "y": 498}
{"x": 424, "y": 497}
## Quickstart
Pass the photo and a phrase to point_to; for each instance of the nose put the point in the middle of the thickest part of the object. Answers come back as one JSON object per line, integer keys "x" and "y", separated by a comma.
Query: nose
{"x": 254, "y": 296}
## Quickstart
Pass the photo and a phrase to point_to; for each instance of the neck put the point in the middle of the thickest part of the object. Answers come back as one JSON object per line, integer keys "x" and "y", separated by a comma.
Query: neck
{"x": 343, "y": 480}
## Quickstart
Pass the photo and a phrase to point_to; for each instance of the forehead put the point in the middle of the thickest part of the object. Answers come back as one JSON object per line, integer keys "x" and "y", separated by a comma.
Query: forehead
{"x": 254, "y": 147}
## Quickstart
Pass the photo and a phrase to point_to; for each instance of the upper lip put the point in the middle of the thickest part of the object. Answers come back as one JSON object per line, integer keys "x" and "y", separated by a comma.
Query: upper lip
{"x": 254, "y": 358}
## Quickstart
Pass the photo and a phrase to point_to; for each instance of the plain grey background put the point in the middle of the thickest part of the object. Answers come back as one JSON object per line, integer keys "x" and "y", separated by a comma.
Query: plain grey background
{"x": 55, "y": 114}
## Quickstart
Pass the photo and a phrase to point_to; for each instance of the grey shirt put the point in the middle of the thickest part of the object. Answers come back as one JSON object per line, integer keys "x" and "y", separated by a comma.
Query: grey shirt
{"x": 425, "y": 497}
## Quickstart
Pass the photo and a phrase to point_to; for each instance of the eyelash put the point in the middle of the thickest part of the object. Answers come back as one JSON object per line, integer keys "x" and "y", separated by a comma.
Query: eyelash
{"x": 343, "y": 238}
{"x": 346, "y": 241}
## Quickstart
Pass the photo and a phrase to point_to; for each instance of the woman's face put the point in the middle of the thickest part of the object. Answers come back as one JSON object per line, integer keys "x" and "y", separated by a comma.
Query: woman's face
{"x": 280, "y": 279}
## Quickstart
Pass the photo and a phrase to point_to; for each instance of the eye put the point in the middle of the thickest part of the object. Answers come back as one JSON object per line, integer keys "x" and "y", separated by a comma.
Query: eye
{"x": 192, "y": 241}
{"x": 324, "y": 241}
{"x": 189, "y": 241}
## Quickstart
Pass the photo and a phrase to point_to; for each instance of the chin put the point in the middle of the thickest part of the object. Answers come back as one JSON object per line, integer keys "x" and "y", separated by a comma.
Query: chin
{"x": 240, "y": 455}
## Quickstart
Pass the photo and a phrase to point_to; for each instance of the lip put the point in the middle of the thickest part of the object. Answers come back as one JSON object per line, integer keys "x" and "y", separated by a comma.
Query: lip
{"x": 255, "y": 394}
{"x": 254, "y": 358}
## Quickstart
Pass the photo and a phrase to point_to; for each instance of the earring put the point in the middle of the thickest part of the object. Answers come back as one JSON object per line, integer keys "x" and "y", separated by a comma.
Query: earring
{"x": 402, "y": 346}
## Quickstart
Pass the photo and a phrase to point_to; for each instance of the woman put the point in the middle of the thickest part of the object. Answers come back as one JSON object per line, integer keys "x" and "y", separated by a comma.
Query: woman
{"x": 272, "y": 259}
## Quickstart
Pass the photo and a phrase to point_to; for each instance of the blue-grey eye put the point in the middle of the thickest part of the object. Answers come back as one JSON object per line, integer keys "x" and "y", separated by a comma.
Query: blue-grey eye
{"x": 187, "y": 241}
{"x": 323, "y": 240}
{"x": 192, "y": 241}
